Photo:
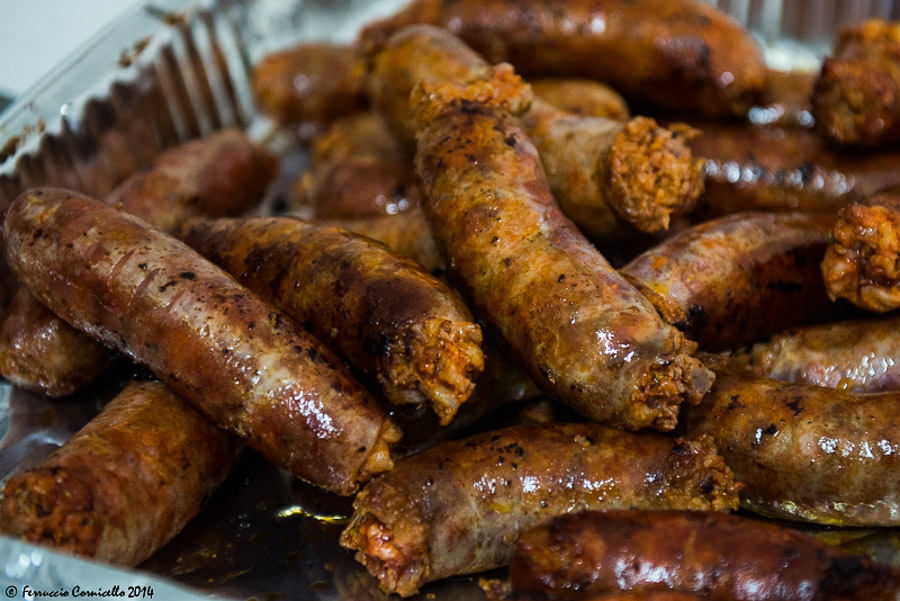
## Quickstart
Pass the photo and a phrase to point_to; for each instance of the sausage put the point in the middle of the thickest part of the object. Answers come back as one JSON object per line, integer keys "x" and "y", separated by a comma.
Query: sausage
{"x": 786, "y": 101}
{"x": 405, "y": 233}
{"x": 357, "y": 187}
{"x": 860, "y": 261}
{"x": 42, "y": 353}
{"x": 683, "y": 55}
{"x": 503, "y": 386}
{"x": 581, "y": 97}
{"x": 381, "y": 312}
{"x": 805, "y": 452}
{"x": 856, "y": 98}
{"x": 309, "y": 83}
{"x": 783, "y": 169}
{"x": 242, "y": 363}
{"x": 126, "y": 483}
{"x": 220, "y": 175}
{"x": 603, "y": 172}
{"x": 728, "y": 282}
{"x": 458, "y": 507}
{"x": 224, "y": 173}
{"x": 856, "y": 355}
{"x": 766, "y": 168}
{"x": 358, "y": 170}
{"x": 715, "y": 555}
{"x": 586, "y": 336}
{"x": 500, "y": 594}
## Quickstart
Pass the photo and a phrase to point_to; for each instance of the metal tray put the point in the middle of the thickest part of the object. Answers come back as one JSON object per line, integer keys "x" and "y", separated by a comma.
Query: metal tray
{"x": 160, "y": 75}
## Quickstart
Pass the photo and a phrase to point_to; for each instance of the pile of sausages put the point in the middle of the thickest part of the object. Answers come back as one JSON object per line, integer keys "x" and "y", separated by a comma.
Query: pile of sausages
{"x": 574, "y": 202}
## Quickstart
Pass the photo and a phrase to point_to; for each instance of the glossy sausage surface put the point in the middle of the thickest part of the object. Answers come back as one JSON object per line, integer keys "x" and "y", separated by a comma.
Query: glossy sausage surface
{"x": 245, "y": 365}
{"x": 458, "y": 507}
{"x": 383, "y": 313}
{"x": 730, "y": 281}
{"x": 586, "y": 335}
{"x": 683, "y": 54}
{"x": 126, "y": 483}
{"x": 805, "y": 452}
{"x": 715, "y": 555}
{"x": 856, "y": 355}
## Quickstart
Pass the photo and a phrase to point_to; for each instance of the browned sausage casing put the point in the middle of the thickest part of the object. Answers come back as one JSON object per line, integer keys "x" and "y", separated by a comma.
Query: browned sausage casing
{"x": 586, "y": 336}
{"x": 126, "y": 483}
{"x": 381, "y": 312}
{"x": 603, "y": 172}
{"x": 856, "y": 97}
{"x": 860, "y": 263}
{"x": 728, "y": 282}
{"x": 582, "y": 97}
{"x": 359, "y": 169}
{"x": 859, "y": 355}
{"x": 212, "y": 341}
{"x": 719, "y": 556}
{"x": 458, "y": 507}
{"x": 43, "y": 353}
{"x": 682, "y": 54}
{"x": 805, "y": 452}
{"x": 312, "y": 83}
{"x": 225, "y": 173}
{"x": 405, "y": 233}
{"x": 783, "y": 169}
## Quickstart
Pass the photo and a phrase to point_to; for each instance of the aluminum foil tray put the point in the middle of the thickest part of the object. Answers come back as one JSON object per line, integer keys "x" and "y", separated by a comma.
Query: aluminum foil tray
{"x": 170, "y": 71}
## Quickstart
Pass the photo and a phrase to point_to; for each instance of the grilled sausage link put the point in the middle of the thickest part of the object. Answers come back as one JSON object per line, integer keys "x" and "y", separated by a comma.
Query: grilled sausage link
{"x": 582, "y": 97}
{"x": 856, "y": 98}
{"x": 310, "y": 83}
{"x": 860, "y": 263}
{"x": 458, "y": 507}
{"x": 126, "y": 483}
{"x": 221, "y": 348}
{"x": 728, "y": 282}
{"x": 222, "y": 174}
{"x": 42, "y": 353}
{"x": 359, "y": 169}
{"x": 856, "y": 355}
{"x": 603, "y": 172}
{"x": 381, "y": 312}
{"x": 586, "y": 336}
{"x": 782, "y": 169}
{"x": 683, "y": 55}
{"x": 805, "y": 452}
{"x": 405, "y": 233}
{"x": 715, "y": 555}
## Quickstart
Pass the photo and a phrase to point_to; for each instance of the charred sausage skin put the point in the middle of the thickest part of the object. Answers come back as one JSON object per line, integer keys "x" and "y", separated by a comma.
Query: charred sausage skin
{"x": 714, "y": 555}
{"x": 126, "y": 483}
{"x": 805, "y": 452}
{"x": 222, "y": 174}
{"x": 457, "y": 507}
{"x": 586, "y": 336}
{"x": 221, "y": 348}
{"x": 381, "y": 312}
{"x": 728, "y": 282}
